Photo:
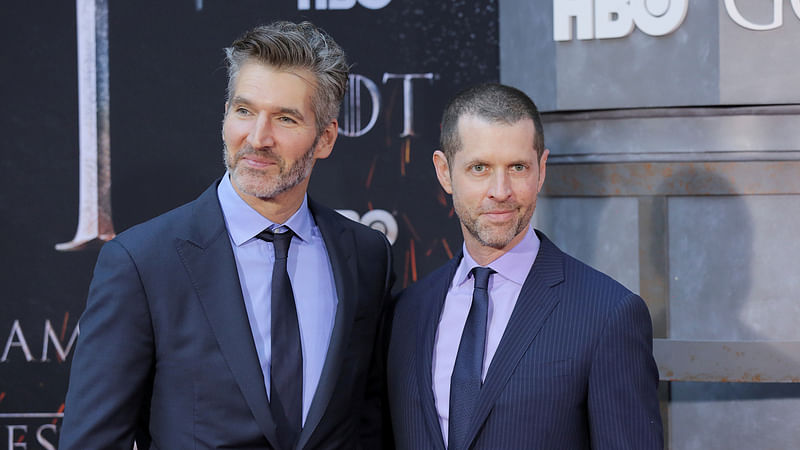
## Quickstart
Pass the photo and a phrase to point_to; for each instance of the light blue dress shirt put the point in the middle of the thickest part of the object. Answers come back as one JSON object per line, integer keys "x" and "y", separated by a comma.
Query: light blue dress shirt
{"x": 309, "y": 270}
{"x": 504, "y": 287}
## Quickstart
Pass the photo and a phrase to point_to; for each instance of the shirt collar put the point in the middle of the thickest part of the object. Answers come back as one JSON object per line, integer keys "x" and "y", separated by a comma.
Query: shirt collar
{"x": 244, "y": 222}
{"x": 513, "y": 265}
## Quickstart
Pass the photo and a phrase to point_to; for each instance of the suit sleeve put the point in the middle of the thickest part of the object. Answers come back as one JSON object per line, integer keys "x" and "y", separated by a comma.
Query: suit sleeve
{"x": 113, "y": 360}
{"x": 376, "y": 424}
{"x": 623, "y": 398}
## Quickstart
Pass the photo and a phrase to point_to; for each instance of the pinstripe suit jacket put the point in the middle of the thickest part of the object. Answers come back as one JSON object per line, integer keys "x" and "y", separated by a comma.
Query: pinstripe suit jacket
{"x": 573, "y": 370}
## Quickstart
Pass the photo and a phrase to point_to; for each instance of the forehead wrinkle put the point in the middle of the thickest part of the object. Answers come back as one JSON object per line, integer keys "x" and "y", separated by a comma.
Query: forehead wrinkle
{"x": 305, "y": 75}
{"x": 298, "y": 72}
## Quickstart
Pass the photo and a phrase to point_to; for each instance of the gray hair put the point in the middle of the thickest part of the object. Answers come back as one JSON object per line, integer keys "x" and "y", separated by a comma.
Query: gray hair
{"x": 495, "y": 103}
{"x": 287, "y": 45}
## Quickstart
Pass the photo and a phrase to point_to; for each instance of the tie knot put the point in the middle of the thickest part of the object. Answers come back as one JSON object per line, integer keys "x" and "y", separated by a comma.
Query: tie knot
{"x": 481, "y": 275}
{"x": 279, "y": 240}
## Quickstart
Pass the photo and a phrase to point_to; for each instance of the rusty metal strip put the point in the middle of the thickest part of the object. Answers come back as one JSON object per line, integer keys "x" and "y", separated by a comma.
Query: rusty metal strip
{"x": 685, "y": 178}
{"x": 636, "y": 113}
{"x": 654, "y": 261}
{"x": 654, "y": 281}
{"x": 728, "y": 361}
{"x": 734, "y": 156}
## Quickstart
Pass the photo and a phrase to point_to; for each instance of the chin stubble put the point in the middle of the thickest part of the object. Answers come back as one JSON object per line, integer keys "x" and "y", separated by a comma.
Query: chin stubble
{"x": 256, "y": 183}
{"x": 488, "y": 237}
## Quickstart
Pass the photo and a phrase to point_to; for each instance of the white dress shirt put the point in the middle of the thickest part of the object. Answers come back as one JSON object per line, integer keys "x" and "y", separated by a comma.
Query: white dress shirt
{"x": 309, "y": 271}
{"x": 504, "y": 287}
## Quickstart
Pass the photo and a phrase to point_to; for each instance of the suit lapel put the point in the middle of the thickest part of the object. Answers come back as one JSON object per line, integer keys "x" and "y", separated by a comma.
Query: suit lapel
{"x": 535, "y": 303}
{"x": 208, "y": 258}
{"x": 341, "y": 247}
{"x": 425, "y": 342}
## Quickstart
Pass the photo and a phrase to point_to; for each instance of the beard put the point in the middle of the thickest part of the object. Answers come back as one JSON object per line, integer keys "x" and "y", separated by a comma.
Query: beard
{"x": 261, "y": 184}
{"x": 494, "y": 235}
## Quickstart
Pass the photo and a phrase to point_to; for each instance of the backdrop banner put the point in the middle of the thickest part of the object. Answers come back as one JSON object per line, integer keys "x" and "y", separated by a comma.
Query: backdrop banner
{"x": 112, "y": 115}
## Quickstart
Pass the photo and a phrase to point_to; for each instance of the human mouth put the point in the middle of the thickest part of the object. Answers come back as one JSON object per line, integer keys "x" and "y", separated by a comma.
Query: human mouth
{"x": 500, "y": 215}
{"x": 257, "y": 162}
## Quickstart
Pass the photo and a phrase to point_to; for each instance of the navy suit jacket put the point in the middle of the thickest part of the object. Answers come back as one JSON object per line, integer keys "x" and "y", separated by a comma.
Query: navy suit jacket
{"x": 166, "y": 356}
{"x": 573, "y": 370}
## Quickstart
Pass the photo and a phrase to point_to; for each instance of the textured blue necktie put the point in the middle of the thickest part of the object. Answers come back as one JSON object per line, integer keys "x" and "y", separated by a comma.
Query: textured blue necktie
{"x": 465, "y": 384}
{"x": 286, "y": 367}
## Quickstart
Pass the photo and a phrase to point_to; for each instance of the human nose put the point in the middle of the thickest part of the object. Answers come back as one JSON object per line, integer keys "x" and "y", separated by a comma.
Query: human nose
{"x": 500, "y": 187}
{"x": 261, "y": 135}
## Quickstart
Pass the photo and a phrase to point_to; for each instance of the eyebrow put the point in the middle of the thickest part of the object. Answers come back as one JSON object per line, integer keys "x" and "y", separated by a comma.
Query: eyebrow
{"x": 238, "y": 101}
{"x": 472, "y": 162}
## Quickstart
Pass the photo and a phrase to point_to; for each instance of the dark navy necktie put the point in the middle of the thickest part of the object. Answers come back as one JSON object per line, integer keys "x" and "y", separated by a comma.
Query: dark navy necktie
{"x": 465, "y": 384}
{"x": 286, "y": 367}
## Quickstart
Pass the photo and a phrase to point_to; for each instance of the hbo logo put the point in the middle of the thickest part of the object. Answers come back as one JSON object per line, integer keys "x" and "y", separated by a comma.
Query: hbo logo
{"x": 377, "y": 219}
{"x": 606, "y": 19}
{"x": 342, "y": 4}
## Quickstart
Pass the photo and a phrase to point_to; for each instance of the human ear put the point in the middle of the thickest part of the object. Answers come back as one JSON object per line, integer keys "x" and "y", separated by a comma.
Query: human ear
{"x": 542, "y": 168}
{"x": 326, "y": 140}
{"x": 442, "y": 171}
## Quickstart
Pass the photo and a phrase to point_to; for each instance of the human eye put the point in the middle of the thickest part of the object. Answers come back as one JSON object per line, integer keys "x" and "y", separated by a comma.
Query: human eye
{"x": 286, "y": 119}
{"x": 519, "y": 167}
{"x": 241, "y": 111}
{"x": 478, "y": 168}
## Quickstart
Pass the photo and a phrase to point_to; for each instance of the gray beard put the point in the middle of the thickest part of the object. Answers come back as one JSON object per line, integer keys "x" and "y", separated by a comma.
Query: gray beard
{"x": 488, "y": 237}
{"x": 253, "y": 182}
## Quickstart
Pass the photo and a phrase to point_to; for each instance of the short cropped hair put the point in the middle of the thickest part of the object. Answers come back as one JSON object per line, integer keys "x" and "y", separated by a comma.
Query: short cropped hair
{"x": 287, "y": 45}
{"x": 493, "y": 102}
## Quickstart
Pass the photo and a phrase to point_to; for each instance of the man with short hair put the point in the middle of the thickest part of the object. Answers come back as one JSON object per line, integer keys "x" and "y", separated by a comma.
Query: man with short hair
{"x": 513, "y": 344}
{"x": 248, "y": 317}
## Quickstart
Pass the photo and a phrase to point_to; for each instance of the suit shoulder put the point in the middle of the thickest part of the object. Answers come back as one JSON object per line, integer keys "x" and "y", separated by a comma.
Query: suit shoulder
{"x": 433, "y": 278}
{"x": 203, "y": 212}
{"x": 423, "y": 288}
{"x": 158, "y": 228}
{"x": 578, "y": 270}
{"x": 573, "y": 277}
{"x": 585, "y": 281}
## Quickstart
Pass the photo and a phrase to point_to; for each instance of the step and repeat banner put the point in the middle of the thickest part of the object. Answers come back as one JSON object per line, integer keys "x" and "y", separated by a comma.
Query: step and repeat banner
{"x": 112, "y": 115}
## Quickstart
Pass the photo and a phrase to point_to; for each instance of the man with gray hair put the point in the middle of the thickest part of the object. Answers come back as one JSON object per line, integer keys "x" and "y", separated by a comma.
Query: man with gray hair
{"x": 513, "y": 344}
{"x": 247, "y": 318}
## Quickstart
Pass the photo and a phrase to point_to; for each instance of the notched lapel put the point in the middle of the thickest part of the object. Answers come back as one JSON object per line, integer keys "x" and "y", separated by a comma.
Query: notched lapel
{"x": 208, "y": 258}
{"x": 535, "y": 303}
{"x": 342, "y": 252}
{"x": 431, "y": 312}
